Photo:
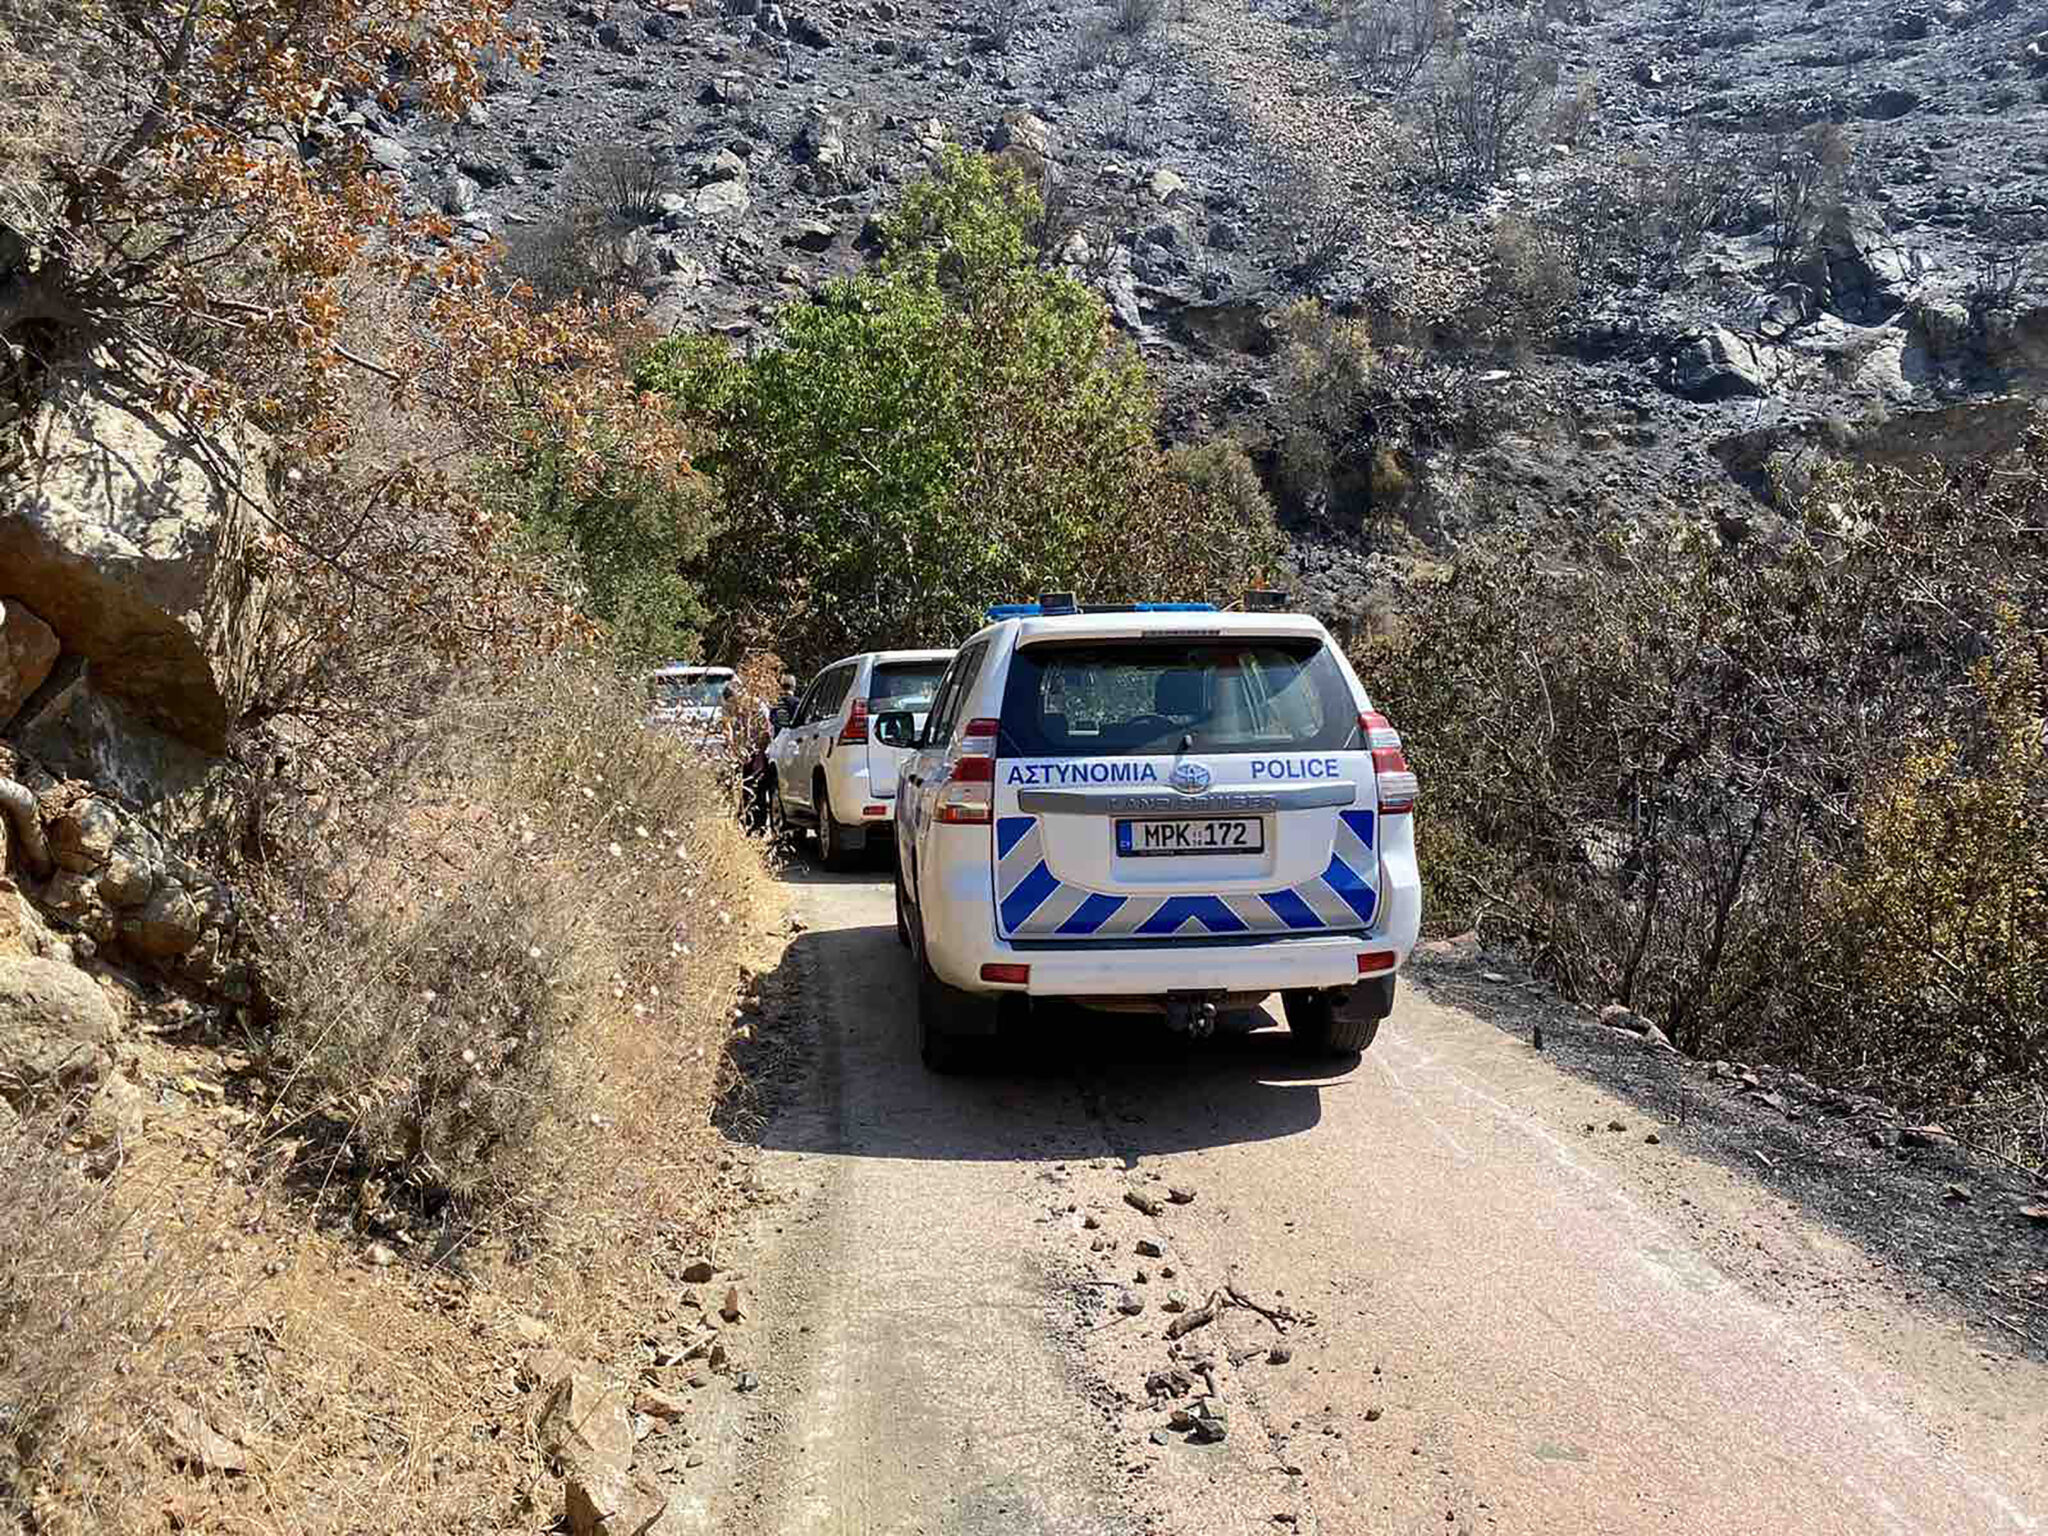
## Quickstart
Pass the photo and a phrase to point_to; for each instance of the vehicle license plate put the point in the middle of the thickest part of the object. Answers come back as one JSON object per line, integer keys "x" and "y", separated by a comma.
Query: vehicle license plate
{"x": 1185, "y": 835}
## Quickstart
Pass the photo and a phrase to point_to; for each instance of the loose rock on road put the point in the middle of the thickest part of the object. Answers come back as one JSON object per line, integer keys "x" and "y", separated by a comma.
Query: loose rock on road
{"x": 1435, "y": 1301}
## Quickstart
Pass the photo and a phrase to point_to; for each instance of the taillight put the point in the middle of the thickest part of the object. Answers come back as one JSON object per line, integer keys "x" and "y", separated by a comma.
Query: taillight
{"x": 969, "y": 795}
{"x": 1372, "y": 962}
{"x": 855, "y": 731}
{"x": 1397, "y": 786}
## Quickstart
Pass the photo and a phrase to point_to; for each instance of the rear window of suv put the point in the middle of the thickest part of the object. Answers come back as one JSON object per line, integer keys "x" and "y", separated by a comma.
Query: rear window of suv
{"x": 1136, "y": 699}
{"x": 905, "y": 684}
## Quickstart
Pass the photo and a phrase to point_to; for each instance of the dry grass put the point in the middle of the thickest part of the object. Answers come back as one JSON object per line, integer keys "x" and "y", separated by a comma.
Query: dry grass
{"x": 504, "y": 976}
{"x": 374, "y": 1399}
{"x": 95, "y": 1284}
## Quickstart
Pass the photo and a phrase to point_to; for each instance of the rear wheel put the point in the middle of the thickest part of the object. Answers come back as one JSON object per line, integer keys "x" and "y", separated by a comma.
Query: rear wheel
{"x": 1313, "y": 1019}
{"x": 940, "y": 1048}
{"x": 782, "y": 833}
{"x": 832, "y": 847}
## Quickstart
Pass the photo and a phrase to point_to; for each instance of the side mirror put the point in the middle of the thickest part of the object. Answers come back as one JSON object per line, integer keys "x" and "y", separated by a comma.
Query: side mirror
{"x": 779, "y": 718}
{"x": 896, "y": 728}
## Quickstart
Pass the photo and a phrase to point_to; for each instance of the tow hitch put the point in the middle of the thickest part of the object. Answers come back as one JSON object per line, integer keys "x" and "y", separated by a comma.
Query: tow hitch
{"x": 1192, "y": 1014}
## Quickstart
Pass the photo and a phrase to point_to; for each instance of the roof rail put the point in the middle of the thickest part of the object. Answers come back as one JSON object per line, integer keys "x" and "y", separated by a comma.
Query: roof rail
{"x": 1042, "y": 610}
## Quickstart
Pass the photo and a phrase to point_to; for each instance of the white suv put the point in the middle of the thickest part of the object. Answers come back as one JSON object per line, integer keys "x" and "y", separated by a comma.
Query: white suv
{"x": 1162, "y": 808}
{"x": 829, "y": 767}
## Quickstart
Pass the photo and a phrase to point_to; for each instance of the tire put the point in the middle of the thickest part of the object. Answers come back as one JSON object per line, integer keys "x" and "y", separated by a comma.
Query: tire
{"x": 782, "y": 834}
{"x": 832, "y": 850}
{"x": 1312, "y": 1019}
{"x": 941, "y": 1050}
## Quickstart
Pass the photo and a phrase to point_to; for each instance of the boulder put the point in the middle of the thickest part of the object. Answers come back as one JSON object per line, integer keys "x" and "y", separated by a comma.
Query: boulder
{"x": 54, "y": 1027}
{"x": 171, "y": 923}
{"x": 387, "y": 154}
{"x": 117, "y": 1118}
{"x": 728, "y": 90}
{"x": 1719, "y": 365}
{"x": 1167, "y": 186}
{"x": 23, "y": 934}
{"x": 458, "y": 194}
{"x": 28, "y": 649}
{"x": 821, "y": 140}
{"x": 723, "y": 165}
{"x": 485, "y": 170}
{"x": 1025, "y": 131}
{"x": 84, "y": 834}
{"x": 813, "y": 235}
{"x": 584, "y": 1422}
{"x": 721, "y": 200}
{"x": 631, "y": 1503}
{"x": 128, "y": 878}
{"x": 76, "y": 727}
{"x": 128, "y": 537}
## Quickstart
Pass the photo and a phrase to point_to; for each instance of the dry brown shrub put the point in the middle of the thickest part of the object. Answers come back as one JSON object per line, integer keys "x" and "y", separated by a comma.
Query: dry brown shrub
{"x": 500, "y": 969}
{"x": 1787, "y": 800}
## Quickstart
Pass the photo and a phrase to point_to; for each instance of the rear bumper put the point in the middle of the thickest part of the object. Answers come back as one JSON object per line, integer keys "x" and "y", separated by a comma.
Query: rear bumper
{"x": 855, "y": 800}
{"x": 1164, "y": 967}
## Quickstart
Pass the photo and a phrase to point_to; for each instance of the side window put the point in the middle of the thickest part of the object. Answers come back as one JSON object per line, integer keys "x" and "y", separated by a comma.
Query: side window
{"x": 807, "y": 711}
{"x": 835, "y": 693}
{"x": 942, "y": 702}
{"x": 959, "y": 682}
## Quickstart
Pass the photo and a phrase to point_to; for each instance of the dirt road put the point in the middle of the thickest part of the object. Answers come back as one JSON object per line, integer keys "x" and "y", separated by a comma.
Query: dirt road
{"x": 1488, "y": 1310}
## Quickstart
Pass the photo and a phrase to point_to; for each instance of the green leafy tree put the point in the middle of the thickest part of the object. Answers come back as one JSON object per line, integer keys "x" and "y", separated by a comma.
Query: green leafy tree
{"x": 619, "y": 542}
{"x": 957, "y": 427}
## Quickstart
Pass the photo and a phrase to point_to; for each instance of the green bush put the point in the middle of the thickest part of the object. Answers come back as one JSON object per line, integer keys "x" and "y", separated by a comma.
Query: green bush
{"x": 1940, "y": 923}
{"x": 620, "y": 545}
{"x": 958, "y": 427}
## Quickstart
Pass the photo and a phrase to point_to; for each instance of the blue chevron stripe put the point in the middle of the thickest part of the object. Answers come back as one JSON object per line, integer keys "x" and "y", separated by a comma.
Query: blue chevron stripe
{"x": 1291, "y": 909}
{"x": 1092, "y": 914}
{"x": 1355, "y": 893}
{"x": 1209, "y": 911}
{"x": 1020, "y": 898}
{"x": 1010, "y": 831}
{"x": 1030, "y": 894}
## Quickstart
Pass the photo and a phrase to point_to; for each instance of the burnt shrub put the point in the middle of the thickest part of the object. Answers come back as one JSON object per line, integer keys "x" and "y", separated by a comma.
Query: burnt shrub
{"x": 1789, "y": 800}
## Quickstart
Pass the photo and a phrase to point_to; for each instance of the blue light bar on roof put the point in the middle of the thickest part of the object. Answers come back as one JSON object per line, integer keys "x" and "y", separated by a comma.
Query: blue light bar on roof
{"x": 1000, "y": 611}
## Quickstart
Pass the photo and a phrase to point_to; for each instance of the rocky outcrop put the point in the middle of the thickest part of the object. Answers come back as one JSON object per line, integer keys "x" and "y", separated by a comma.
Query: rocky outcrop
{"x": 80, "y": 731}
{"x": 130, "y": 539}
{"x": 55, "y": 1028}
{"x": 28, "y": 649}
{"x": 1719, "y": 365}
{"x": 123, "y": 888}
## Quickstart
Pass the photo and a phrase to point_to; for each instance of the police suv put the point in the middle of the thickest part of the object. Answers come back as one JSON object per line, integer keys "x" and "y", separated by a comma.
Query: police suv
{"x": 1156, "y": 808}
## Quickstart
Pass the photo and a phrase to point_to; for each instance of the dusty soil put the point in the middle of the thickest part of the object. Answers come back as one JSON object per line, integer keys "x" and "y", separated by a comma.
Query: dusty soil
{"x": 1953, "y": 1223}
{"x": 1460, "y": 1310}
